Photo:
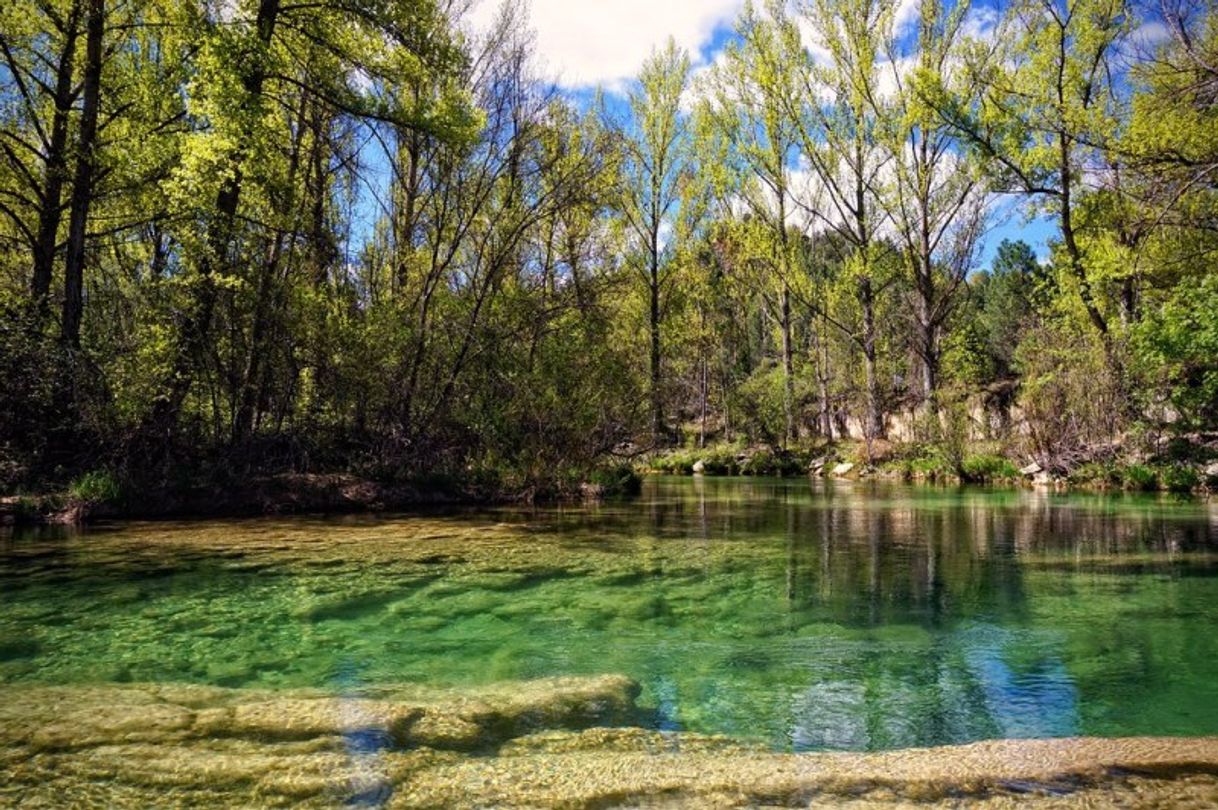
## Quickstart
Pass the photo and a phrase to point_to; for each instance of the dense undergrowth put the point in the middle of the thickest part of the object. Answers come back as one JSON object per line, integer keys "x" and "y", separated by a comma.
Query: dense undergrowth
{"x": 1181, "y": 468}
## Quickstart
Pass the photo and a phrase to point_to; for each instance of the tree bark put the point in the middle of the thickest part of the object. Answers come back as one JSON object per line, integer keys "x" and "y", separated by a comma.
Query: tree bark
{"x": 788, "y": 368}
{"x": 657, "y": 404}
{"x": 51, "y": 203}
{"x": 82, "y": 186}
{"x": 874, "y": 426}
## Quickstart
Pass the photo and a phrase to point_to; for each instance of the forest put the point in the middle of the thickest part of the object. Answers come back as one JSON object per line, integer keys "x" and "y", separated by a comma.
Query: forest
{"x": 244, "y": 238}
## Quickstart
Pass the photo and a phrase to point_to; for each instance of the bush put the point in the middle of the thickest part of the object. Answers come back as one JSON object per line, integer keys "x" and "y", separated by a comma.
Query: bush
{"x": 1097, "y": 473}
{"x": 983, "y": 468}
{"x": 96, "y": 486}
{"x": 719, "y": 460}
{"x": 760, "y": 462}
{"x": 1139, "y": 477}
{"x": 620, "y": 479}
{"x": 1179, "y": 478}
{"x": 675, "y": 462}
{"x": 931, "y": 466}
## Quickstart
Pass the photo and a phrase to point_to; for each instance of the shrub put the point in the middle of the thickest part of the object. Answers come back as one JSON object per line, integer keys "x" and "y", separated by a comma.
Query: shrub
{"x": 96, "y": 486}
{"x": 985, "y": 467}
{"x": 718, "y": 460}
{"x": 1097, "y": 473}
{"x": 932, "y": 466}
{"x": 760, "y": 462}
{"x": 1179, "y": 478}
{"x": 1139, "y": 477}
{"x": 619, "y": 479}
{"x": 675, "y": 462}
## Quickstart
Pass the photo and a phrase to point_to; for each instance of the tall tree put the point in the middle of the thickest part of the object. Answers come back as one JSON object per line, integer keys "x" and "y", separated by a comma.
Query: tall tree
{"x": 935, "y": 199}
{"x": 82, "y": 182}
{"x": 835, "y": 119}
{"x": 39, "y": 46}
{"x": 655, "y": 153}
{"x": 1045, "y": 105}
{"x": 749, "y": 88}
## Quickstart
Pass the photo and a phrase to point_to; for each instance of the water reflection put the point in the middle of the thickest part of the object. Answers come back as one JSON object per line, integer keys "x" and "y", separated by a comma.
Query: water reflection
{"x": 806, "y": 615}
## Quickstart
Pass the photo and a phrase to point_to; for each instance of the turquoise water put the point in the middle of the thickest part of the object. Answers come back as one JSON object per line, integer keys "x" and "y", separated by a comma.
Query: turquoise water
{"x": 803, "y": 615}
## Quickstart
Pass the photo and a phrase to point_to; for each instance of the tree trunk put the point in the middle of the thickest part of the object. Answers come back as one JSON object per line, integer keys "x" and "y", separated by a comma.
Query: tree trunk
{"x": 825, "y": 414}
{"x": 928, "y": 336}
{"x": 704, "y": 392}
{"x": 254, "y": 378}
{"x": 657, "y": 405}
{"x": 50, "y": 209}
{"x": 788, "y": 368}
{"x": 1073, "y": 251}
{"x": 873, "y": 426}
{"x": 82, "y": 187}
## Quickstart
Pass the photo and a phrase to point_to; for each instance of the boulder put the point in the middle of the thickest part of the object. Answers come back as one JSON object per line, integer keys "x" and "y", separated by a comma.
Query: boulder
{"x": 843, "y": 469}
{"x": 1032, "y": 469}
{"x": 699, "y": 467}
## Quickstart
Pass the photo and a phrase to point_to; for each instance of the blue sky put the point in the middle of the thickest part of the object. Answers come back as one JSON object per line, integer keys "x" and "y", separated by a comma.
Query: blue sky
{"x": 587, "y": 45}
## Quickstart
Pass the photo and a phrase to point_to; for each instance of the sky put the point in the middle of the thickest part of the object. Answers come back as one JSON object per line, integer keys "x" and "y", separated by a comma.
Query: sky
{"x": 586, "y": 45}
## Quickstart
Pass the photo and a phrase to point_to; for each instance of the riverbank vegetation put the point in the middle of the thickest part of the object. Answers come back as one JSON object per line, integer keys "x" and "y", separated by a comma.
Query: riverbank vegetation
{"x": 254, "y": 239}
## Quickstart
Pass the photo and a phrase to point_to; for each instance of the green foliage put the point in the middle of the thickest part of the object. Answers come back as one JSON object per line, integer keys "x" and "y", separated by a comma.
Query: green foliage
{"x": 1179, "y": 340}
{"x": 97, "y": 487}
{"x": 931, "y": 466}
{"x": 1071, "y": 394}
{"x": 761, "y": 398}
{"x": 619, "y": 479}
{"x": 1139, "y": 477}
{"x": 1179, "y": 478}
{"x": 988, "y": 468}
{"x": 777, "y": 256}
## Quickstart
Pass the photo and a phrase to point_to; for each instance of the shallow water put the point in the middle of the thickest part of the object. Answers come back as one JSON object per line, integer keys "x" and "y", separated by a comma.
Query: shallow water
{"x": 800, "y": 616}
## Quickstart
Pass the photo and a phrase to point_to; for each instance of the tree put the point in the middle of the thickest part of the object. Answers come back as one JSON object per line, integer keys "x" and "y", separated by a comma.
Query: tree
{"x": 935, "y": 199}
{"x": 748, "y": 89}
{"x": 654, "y": 167}
{"x": 834, "y": 115}
{"x": 1046, "y": 107}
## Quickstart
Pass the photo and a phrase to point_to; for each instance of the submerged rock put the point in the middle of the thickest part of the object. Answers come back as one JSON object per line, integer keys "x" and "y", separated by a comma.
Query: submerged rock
{"x": 159, "y": 745}
{"x": 65, "y": 718}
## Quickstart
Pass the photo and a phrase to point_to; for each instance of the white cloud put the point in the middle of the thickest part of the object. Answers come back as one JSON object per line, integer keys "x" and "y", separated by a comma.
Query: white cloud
{"x": 906, "y": 15}
{"x": 591, "y": 43}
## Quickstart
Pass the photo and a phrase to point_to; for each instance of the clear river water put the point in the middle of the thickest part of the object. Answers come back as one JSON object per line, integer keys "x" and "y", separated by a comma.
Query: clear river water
{"x": 793, "y": 615}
